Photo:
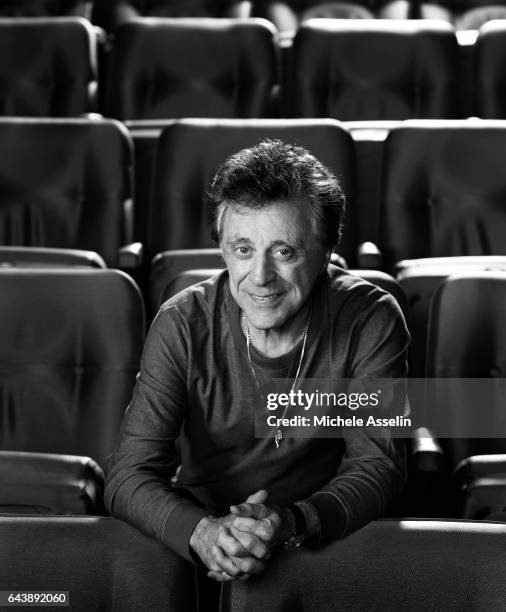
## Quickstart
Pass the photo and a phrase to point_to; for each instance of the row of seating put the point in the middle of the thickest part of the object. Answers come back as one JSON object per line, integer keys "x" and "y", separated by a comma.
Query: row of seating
{"x": 462, "y": 14}
{"x": 456, "y": 566}
{"x": 68, "y": 366}
{"x": 68, "y": 184}
{"x": 110, "y": 14}
{"x": 350, "y": 70}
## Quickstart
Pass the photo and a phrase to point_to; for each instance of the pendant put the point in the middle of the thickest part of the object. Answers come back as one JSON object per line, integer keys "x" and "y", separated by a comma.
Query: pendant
{"x": 277, "y": 437}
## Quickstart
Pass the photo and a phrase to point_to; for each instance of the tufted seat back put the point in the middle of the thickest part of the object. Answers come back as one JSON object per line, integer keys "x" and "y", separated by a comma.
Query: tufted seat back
{"x": 70, "y": 343}
{"x": 355, "y": 70}
{"x": 65, "y": 184}
{"x": 444, "y": 190}
{"x": 47, "y": 67}
{"x": 169, "y": 68}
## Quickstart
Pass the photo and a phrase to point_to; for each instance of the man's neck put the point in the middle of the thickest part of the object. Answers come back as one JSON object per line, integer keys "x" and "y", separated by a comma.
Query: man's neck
{"x": 279, "y": 341}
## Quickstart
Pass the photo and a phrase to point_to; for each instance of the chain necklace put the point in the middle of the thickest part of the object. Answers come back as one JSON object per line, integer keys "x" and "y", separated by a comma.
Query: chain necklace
{"x": 278, "y": 435}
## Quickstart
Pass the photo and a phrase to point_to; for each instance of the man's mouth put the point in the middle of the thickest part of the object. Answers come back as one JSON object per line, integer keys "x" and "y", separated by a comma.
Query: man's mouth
{"x": 264, "y": 298}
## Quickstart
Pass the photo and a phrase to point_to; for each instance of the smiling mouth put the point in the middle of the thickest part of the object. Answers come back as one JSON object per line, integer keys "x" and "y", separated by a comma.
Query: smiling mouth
{"x": 265, "y": 299}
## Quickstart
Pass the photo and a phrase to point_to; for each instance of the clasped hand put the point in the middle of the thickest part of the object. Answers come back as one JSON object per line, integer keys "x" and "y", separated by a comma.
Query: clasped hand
{"x": 237, "y": 545}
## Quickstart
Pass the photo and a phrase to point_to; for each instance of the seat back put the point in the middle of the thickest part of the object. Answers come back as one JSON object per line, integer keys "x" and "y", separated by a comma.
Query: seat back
{"x": 388, "y": 565}
{"x": 168, "y": 285}
{"x": 65, "y": 183}
{"x": 489, "y": 78}
{"x": 443, "y": 190}
{"x": 190, "y": 152}
{"x": 169, "y": 68}
{"x": 70, "y": 346}
{"x": 44, "y": 8}
{"x": 47, "y": 67}
{"x": 419, "y": 279}
{"x": 103, "y": 564}
{"x": 168, "y": 266}
{"x": 463, "y": 14}
{"x": 467, "y": 340}
{"x": 374, "y": 69}
{"x": 107, "y": 16}
{"x": 42, "y": 257}
{"x": 481, "y": 482}
{"x": 43, "y": 483}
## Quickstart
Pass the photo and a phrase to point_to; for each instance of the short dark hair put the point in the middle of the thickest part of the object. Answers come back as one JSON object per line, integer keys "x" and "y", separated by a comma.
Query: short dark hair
{"x": 275, "y": 171}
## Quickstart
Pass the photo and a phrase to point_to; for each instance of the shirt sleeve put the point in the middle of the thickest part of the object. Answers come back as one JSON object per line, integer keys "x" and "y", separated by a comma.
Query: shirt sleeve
{"x": 372, "y": 472}
{"x": 138, "y": 485}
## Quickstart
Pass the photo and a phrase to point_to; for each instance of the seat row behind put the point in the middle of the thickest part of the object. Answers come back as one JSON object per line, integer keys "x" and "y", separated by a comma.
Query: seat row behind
{"x": 345, "y": 69}
{"x": 68, "y": 184}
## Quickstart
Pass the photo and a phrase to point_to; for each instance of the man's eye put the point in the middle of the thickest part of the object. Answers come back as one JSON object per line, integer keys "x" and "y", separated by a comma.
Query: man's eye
{"x": 285, "y": 252}
{"x": 243, "y": 250}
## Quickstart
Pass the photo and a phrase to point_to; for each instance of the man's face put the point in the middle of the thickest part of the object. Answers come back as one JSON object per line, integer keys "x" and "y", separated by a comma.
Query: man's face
{"x": 273, "y": 259}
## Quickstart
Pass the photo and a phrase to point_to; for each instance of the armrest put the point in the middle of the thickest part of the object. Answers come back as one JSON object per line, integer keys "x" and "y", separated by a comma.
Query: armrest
{"x": 369, "y": 256}
{"x": 427, "y": 453}
{"x": 339, "y": 260}
{"x": 50, "y": 483}
{"x": 480, "y": 466}
{"x": 131, "y": 256}
{"x": 241, "y": 9}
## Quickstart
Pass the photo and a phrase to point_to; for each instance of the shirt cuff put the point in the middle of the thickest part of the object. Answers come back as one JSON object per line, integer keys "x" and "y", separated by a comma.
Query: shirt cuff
{"x": 333, "y": 515}
{"x": 312, "y": 521}
{"x": 179, "y": 526}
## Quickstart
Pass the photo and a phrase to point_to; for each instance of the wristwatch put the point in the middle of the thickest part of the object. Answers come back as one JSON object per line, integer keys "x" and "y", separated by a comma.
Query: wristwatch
{"x": 299, "y": 532}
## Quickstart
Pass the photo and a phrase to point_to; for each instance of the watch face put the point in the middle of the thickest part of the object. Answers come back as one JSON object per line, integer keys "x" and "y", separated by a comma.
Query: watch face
{"x": 294, "y": 542}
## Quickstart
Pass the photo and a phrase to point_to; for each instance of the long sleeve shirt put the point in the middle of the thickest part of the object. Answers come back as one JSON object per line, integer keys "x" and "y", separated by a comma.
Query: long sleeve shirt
{"x": 196, "y": 386}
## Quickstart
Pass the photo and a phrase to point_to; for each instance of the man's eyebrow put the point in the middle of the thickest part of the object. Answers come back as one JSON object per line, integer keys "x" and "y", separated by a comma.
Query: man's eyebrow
{"x": 293, "y": 239}
{"x": 235, "y": 239}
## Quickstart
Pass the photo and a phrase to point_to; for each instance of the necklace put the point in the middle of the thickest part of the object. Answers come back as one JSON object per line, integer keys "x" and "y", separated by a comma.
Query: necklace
{"x": 278, "y": 434}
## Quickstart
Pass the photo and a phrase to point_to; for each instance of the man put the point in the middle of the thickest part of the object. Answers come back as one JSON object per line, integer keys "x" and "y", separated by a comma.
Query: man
{"x": 278, "y": 311}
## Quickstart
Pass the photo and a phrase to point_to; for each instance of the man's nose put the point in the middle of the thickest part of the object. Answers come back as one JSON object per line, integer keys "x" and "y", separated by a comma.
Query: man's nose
{"x": 262, "y": 270}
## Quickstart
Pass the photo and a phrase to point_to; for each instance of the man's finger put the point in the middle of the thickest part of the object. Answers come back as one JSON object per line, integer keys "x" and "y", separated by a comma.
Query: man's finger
{"x": 260, "y": 497}
{"x": 231, "y": 545}
{"x": 225, "y": 563}
{"x": 248, "y": 565}
{"x": 221, "y": 576}
{"x": 252, "y": 543}
{"x": 237, "y": 566}
{"x": 257, "y": 511}
{"x": 265, "y": 528}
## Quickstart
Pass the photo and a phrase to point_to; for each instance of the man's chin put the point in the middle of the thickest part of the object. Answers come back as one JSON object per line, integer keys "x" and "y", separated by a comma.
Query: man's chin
{"x": 263, "y": 320}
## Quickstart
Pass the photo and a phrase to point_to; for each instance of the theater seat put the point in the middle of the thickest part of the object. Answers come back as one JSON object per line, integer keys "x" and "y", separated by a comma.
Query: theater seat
{"x": 419, "y": 279}
{"x": 66, "y": 183}
{"x": 489, "y": 77}
{"x": 467, "y": 340}
{"x": 443, "y": 190}
{"x": 44, "y": 8}
{"x": 389, "y": 565}
{"x": 481, "y": 483}
{"x": 111, "y": 14}
{"x": 190, "y": 152}
{"x": 164, "y": 285}
{"x": 169, "y": 68}
{"x": 70, "y": 343}
{"x": 40, "y": 257}
{"x": 47, "y": 67}
{"x": 166, "y": 267}
{"x": 355, "y": 70}
{"x": 103, "y": 564}
{"x": 463, "y": 14}
{"x": 41, "y": 483}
